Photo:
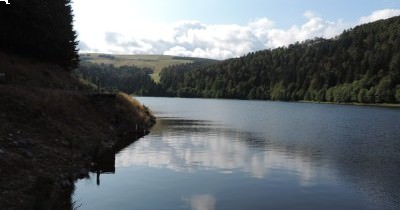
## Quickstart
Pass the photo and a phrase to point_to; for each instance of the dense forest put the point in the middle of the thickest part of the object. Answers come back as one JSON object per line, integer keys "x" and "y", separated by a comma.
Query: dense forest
{"x": 171, "y": 78}
{"x": 40, "y": 29}
{"x": 361, "y": 65}
{"x": 129, "y": 79}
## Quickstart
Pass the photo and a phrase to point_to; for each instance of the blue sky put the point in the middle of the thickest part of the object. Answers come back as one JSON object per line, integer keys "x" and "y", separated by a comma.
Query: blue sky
{"x": 216, "y": 28}
{"x": 284, "y": 12}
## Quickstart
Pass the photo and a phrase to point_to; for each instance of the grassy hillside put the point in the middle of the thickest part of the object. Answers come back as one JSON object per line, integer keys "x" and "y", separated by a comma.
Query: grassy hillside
{"x": 155, "y": 62}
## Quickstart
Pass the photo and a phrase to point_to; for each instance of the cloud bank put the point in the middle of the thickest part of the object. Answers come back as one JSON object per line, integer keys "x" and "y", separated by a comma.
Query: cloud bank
{"x": 379, "y": 15}
{"x": 221, "y": 41}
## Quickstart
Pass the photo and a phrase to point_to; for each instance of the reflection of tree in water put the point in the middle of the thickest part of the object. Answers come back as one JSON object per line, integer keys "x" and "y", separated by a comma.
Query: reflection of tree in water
{"x": 104, "y": 163}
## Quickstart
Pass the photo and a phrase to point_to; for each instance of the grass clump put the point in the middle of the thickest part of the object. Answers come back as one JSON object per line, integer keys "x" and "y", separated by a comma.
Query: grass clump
{"x": 132, "y": 111}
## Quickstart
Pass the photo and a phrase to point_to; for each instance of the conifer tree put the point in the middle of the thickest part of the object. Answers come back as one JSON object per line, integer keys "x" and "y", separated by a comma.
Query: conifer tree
{"x": 40, "y": 29}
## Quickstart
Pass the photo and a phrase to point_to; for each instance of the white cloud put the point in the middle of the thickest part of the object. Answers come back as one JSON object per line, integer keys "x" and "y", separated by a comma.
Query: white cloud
{"x": 379, "y": 15}
{"x": 314, "y": 27}
{"x": 218, "y": 41}
{"x": 309, "y": 14}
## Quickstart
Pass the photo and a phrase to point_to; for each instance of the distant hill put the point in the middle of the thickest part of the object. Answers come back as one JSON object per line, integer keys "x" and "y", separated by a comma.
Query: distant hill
{"x": 362, "y": 65}
{"x": 154, "y": 62}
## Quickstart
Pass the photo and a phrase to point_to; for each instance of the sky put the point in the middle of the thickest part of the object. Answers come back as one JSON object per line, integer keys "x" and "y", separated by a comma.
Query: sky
{"x": 217, "y": 29}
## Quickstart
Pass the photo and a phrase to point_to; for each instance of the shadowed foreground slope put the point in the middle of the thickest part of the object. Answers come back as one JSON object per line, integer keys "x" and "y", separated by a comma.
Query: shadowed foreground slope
{"x": 51, "y": 129}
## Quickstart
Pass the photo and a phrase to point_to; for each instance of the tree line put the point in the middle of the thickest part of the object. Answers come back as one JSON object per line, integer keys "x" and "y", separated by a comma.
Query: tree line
{"x": 129, "y": 79}
{"x": 40, "y": 29}
{"x": 360, "y": 65}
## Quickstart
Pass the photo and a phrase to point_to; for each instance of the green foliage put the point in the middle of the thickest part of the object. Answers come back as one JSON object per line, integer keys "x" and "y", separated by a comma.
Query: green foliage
{"x": 361, "y": 65}
{"x": 173, "y": 78}
{"x": 187, "y": 92}
{"x": 129, "y": 79}
{"x": 398, "y": 94}
{"x": 384, "y": 91}
{"x": 40, "y": 29}
{"x": 363, "y": 96}
{"x": 279, "y": 92}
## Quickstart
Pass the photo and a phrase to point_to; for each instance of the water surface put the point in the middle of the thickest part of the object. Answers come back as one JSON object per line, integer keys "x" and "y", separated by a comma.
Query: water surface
{"x": 206, "y": 154}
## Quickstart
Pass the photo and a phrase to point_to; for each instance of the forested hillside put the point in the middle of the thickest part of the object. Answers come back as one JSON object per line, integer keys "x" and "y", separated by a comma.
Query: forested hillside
{"x": 174, "y": 82}
{"x": 129, "y": 79}
{"x": 133, "y": 74}
{"x": 361, "y": 65}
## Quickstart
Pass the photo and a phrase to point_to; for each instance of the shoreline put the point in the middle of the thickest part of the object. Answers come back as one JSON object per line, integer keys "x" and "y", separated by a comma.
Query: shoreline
{"x": 383, "y": 105}
{"x": 46, "y": 147}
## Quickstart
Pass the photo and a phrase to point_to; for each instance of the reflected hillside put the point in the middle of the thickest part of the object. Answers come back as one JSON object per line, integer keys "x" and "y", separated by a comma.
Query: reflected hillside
{"x": 189, "y": 145}
{"x": 193, "y": 145}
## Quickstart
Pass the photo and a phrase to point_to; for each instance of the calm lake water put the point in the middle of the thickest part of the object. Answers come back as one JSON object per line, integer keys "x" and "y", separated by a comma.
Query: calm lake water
{"x": 206, "y": 154}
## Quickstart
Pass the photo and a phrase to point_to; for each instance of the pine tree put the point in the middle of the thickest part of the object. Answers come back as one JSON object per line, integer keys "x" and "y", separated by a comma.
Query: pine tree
{"x": 40, "y": 29}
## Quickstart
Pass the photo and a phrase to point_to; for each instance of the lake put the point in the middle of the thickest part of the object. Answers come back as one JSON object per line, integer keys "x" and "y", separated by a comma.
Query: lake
{"x": 207, "y": 154}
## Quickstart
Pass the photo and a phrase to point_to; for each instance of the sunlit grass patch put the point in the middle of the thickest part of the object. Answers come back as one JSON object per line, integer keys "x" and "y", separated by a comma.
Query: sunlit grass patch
{"x": 132, "y": 110}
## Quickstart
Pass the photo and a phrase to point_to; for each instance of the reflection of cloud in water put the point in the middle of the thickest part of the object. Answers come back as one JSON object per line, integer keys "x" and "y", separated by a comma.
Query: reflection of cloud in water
{"x": 202, "y": 202}
{"x": 193, "y": 146}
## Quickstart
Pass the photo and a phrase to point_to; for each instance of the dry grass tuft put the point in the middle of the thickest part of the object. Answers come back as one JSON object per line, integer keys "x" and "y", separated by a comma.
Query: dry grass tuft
{"x": 132, "y": 110}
